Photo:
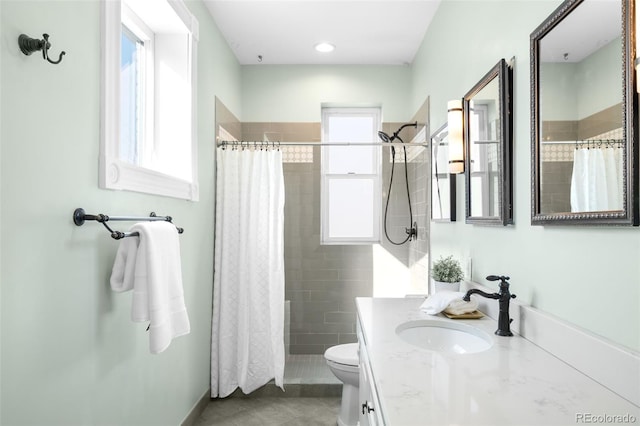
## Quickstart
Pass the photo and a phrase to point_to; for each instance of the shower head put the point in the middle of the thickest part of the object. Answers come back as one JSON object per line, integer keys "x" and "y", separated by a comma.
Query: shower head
{"x": 384, "y": 137}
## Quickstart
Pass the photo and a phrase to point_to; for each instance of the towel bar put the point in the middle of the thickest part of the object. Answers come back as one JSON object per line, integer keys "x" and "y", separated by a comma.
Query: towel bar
{"x": 79, "y": 217}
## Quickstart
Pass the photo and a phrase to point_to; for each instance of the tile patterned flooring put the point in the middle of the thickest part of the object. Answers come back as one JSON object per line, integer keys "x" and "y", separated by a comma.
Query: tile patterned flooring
{"x": 271, "y": 411}
{"x": 311, "y": 397}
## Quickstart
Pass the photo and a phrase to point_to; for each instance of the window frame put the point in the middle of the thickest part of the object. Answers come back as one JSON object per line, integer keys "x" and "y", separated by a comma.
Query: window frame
{"x": 115, "y": 173}
{"x": 376, "y": 177}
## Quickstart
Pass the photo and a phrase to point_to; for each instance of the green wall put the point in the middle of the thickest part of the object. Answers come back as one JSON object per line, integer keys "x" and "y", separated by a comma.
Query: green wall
{"x": 70, "y": 354}
{"x": 574, "y": 91}
{"x": 586, "y": 275}
{"x": 295, "y": 93}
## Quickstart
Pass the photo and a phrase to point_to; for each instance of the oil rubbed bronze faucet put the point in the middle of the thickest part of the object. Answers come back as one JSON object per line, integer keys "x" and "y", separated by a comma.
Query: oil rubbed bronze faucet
{"x": 503, "y": 296}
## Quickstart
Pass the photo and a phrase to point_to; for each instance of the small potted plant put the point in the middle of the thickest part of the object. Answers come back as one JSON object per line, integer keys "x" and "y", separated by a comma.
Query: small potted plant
{"x": 446, "y": 274}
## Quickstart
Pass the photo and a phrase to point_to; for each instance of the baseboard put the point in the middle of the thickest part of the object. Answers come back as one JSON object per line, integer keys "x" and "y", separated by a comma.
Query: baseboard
{"x": 197, "y": 409}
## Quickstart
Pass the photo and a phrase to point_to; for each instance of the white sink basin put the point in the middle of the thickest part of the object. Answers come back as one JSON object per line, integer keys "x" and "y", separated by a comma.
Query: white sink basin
{"x": 444, "y": 336}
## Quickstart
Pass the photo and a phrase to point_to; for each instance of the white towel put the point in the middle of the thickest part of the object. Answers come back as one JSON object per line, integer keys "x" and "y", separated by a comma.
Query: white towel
{"x": 123, "y": 272}
{"x": 150, "y": 265}
{"x": 436, "y": 303}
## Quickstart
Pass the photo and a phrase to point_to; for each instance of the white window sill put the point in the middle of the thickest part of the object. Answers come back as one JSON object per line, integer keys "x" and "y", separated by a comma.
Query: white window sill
{"x": 124, "y": 176}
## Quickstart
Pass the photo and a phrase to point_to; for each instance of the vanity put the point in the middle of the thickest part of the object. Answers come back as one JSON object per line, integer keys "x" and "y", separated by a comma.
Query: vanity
{"x": 513, "y": 381}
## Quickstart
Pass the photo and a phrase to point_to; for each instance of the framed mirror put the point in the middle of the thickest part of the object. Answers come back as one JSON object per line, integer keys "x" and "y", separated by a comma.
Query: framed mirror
{"x": 487, "y": 135}
{"x": 583, "y": 115}
{"x": 443, "y": 184}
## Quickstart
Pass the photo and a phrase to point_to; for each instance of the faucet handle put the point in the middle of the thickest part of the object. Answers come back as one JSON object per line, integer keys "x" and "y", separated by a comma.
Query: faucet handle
{"x": 498, "y": 278}
{"x": 504, "y": 284}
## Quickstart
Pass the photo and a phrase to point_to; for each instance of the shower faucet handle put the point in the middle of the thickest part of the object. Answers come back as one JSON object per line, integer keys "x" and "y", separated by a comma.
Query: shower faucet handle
{"x": 412, "y": 232}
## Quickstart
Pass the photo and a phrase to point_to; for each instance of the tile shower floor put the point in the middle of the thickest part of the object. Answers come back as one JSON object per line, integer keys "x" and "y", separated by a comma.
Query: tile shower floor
{"x": 308, "y": 369}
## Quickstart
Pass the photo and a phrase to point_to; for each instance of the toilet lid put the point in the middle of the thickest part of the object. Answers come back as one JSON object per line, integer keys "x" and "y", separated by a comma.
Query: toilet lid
{"x": 343, "y": 354}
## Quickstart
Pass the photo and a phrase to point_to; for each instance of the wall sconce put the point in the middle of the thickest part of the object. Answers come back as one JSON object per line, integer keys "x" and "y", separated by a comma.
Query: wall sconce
{"x": 456, "y": 141}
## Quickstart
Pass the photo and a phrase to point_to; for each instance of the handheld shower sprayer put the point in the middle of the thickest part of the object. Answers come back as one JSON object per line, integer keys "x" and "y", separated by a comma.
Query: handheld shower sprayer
{"x": 386, "y": 138}
{"x": 412, "y": 230}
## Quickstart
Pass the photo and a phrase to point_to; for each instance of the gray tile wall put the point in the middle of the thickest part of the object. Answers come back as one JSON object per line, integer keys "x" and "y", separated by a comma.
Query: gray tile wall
{"x": 226, "y": 119}
{"x": 556, "y": 186}
{"x": 414, "y": 254}
{"x": 556, "y": 173}
{"x": 601, "y": 122}
{"x": 320, "y": 281}
{"x": 323, "y": 281}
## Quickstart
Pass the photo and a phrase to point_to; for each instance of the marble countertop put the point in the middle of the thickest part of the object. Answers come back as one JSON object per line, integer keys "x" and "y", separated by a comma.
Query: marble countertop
{"x": 513, "y": 383}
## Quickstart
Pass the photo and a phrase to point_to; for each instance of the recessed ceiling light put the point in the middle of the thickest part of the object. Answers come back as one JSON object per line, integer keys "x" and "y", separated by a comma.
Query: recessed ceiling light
{"x": 325, "y": 47}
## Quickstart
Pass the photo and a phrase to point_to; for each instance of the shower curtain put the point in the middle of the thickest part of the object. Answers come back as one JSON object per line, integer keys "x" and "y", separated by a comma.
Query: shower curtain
{"x": 247, "y": 345}
{"x": 596, "y": 181}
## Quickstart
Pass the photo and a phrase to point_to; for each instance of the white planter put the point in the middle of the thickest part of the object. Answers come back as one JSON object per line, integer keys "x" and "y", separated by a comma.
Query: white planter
{"x": 442, "y": 286}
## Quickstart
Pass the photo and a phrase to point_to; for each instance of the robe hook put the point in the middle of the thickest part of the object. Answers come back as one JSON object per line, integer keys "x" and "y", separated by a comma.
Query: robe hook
{"x": 29, "y": 45}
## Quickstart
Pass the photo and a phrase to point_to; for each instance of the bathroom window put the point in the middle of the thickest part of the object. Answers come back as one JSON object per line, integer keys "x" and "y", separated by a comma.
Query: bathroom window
{"x": 148, "y": 140}
{"x": 351, "y": 192}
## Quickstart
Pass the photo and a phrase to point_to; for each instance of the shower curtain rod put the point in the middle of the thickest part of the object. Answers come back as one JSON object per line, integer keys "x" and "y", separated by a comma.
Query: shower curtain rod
{"x": 582, "y": 141}
{"x": 278, "y": 144}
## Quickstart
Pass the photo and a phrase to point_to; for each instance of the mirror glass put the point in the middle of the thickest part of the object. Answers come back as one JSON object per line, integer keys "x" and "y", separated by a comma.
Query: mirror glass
{"x": 443, "y": 184}
{"x": 488, "y": 148}
{"x": 581, "y": 115}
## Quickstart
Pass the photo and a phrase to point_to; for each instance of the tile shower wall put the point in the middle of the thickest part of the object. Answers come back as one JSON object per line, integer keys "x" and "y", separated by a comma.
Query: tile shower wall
{"x": 413, "y": 255}
{"x": 321, "y": 281}
{"x": 556, "y": 184}
{"x": 226, "y": 120}
{"x": 557, "y": 159}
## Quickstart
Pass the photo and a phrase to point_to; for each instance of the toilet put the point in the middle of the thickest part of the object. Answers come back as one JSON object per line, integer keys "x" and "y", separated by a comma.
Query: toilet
{"x": 344, "y": 364}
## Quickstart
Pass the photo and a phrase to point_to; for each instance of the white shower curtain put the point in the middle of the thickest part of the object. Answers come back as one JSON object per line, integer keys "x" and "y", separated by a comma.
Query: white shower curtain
{"x": 596, "y": 182}
{"x": 247, "y": 347}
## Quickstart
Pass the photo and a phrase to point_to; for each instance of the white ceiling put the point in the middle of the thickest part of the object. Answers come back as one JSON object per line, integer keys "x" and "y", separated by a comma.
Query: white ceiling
{"x": 385, "y": 32}
{"x": 589, "y": 27}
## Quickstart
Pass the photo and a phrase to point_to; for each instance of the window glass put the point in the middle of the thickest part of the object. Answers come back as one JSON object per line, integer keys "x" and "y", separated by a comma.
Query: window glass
{"x": 348, "y": 159}
{"x": 351, "y": 192}
{"x": 130, "y": 96}
{"x": 354, "y": 196}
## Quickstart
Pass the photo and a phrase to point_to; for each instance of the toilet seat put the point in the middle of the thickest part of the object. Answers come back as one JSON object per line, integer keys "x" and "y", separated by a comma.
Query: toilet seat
{"x": 346, "y": 354}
